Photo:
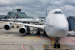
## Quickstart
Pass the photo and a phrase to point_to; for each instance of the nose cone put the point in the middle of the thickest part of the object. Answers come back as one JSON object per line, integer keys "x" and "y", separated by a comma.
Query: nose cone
{"x": 62, "y": 27}
{"x": 61, "y": 30}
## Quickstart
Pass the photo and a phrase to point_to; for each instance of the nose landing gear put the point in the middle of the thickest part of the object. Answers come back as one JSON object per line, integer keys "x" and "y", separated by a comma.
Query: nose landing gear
{"x": 57, "y": 44}
{"x": 54, "y": 45}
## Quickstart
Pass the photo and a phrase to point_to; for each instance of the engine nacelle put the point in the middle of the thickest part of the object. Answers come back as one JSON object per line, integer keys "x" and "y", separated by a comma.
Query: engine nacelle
{"x": 23, "y": 30}
{"x": 7, "y": 26}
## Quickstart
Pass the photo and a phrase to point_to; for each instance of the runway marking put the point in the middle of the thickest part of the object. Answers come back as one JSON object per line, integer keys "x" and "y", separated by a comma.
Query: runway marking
{"x": 44, "y": 38}
{"x": 23, "y": 47}
{"x": 34, "y": 38}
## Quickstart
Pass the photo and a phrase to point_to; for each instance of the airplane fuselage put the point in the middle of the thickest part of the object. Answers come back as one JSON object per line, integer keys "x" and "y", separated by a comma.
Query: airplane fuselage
{"x": 56, "y": 25}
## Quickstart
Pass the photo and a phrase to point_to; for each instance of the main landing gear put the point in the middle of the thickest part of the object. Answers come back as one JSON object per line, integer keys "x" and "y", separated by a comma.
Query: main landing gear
{"x": 38, "y": 31}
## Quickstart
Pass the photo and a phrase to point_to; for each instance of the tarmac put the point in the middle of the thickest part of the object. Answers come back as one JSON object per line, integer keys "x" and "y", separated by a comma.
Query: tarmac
{"x": 12, "y": 40}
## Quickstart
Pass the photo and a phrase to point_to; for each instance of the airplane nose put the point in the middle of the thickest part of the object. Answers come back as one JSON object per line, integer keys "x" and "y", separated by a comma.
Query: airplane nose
{"x": 62, "y": 26}
{"x": 62, "y": 30}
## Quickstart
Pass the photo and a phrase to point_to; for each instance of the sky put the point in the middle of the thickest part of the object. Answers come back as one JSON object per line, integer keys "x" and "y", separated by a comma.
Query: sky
{"x": 37, "y": 8}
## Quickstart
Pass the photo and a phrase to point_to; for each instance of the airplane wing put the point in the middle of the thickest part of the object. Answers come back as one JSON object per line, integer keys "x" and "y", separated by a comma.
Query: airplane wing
{"x": 36, "y": 26}
{"x": 30, "y": 25}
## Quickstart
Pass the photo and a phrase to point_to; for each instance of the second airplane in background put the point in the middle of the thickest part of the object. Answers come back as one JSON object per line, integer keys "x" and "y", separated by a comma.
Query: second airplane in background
{"x": 23, "y": 20}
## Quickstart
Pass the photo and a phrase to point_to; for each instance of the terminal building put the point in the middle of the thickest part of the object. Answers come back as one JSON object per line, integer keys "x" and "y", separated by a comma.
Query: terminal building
{"x": 11, "y": 14}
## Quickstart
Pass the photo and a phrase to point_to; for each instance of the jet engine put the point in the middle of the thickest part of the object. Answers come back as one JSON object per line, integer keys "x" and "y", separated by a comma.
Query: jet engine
{"x": 23, "y": 30}
{"x": 7, "y": 26}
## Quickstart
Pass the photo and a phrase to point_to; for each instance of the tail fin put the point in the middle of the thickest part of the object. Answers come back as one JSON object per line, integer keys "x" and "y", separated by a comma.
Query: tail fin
{"x": 16, "y": 16}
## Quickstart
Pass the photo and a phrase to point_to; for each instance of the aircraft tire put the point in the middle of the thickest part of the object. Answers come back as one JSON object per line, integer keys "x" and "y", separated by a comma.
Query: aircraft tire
{"x": 38, "y": 31}
{"x": 55, "y": 45}
{"x": 58, "y": 46}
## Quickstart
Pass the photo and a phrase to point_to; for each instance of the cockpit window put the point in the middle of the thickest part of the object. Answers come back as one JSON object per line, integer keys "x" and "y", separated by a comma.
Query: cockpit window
{"x": 57, "y": 12}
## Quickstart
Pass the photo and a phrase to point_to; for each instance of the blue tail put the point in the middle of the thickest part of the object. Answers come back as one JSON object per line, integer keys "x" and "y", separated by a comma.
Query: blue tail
{"x": 16, "y": 16}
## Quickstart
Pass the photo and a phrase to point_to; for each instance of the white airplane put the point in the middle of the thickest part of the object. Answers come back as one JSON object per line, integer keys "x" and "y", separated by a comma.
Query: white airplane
{"x": 55, "y": 26}
{"x": 23, "y": 20}
{"x": 34, "y": 20}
